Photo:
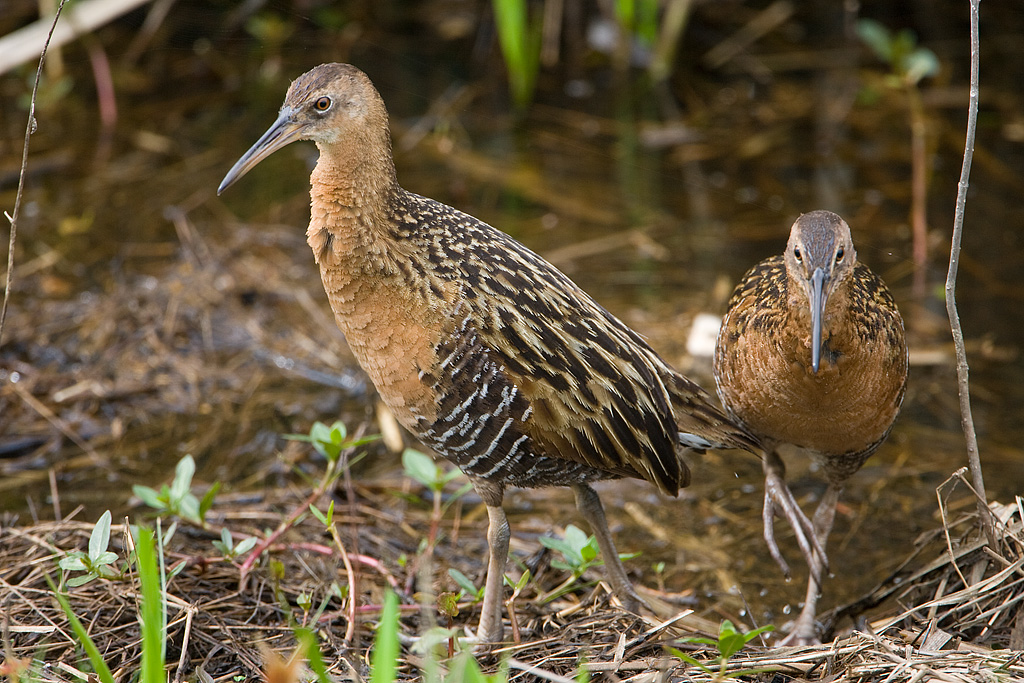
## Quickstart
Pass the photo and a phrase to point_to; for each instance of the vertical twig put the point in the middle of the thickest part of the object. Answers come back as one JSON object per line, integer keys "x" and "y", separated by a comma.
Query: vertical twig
{"x": 13, "y": 216}
{"x": 966, "y": 420}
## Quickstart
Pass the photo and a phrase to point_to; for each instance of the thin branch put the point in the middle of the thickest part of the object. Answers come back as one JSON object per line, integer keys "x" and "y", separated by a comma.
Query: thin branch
{"x": 966, "y": 419}
{"x": 13, "y": 216}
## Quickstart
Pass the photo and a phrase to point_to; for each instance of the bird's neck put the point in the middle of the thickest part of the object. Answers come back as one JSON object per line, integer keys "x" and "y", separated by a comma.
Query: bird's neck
{"x": 351, "y": 196}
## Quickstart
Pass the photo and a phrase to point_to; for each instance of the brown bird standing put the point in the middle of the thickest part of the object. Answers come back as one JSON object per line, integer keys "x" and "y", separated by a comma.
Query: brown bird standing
{"x": 482, "y": 349}
{"x": 812, "y": 353}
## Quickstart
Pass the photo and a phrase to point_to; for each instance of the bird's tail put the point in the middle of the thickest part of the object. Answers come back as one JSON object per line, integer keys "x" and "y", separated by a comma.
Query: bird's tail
{"x": 702, "y": 424}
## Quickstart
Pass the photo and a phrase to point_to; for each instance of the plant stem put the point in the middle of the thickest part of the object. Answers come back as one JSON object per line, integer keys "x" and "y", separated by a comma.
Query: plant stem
{"x": 966, "y": 419}
{"x": 30, "y": 128}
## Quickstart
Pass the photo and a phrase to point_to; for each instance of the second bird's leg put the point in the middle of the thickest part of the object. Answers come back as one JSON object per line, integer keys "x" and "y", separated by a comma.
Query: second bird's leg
{"x": 491, "y": 629}
{"x": 805, "y": 629}
{"x": 778, "y": 497}
{"x": 589, "y": 505}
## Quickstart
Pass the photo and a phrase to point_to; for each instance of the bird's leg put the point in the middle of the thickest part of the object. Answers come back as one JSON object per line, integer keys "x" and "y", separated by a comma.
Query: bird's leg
{"x": 491, "y": 629}
{"x": 804, "y": 629}
{"x": 778, "y": 497}
{"x": 589, "y": 505}
{"x": 826, "y": 512}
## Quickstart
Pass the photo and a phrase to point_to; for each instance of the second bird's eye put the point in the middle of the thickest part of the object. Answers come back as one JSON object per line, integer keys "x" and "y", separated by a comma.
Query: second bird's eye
{"x": 796, "y": 253}
{"x": 322, "y": 104}
{"x": 839, "y": 255}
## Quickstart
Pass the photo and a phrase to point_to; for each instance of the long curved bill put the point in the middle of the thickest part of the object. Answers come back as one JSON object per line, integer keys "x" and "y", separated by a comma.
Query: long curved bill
{"x": 283, "y": 131}
{"x": 817, "y": 313}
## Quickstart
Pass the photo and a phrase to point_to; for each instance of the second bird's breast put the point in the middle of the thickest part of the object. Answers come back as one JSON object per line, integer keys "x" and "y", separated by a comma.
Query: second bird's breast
{"x": 847, "y": 406}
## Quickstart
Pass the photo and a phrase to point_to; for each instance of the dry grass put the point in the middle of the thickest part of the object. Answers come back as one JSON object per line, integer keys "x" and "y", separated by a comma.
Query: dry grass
{"x": 943, "y": 631}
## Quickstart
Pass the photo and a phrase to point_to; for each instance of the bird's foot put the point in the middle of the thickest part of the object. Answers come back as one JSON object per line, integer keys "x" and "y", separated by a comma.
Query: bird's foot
{"x": 626, "y": 595}
{"x": 486, "y": 638}
{"x": 804, "y": 632}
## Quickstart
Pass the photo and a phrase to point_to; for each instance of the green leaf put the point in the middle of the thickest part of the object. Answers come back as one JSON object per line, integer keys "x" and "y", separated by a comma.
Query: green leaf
{"x": 207, "y": 502}
{"x": 463, "y": 581}
{"x": 701, "y": 641}
{"x": 188, "y": 508}
{"x": 148, "y": 496}
{"x": 563, "y": 565}
{"x": 313, "y": 655}
{"x": 99, "y": 539}
{"x": 245, "y": 545}
{"x": 465, "y": 670}
{"x": 520, "y": 46}
{"x": 576, "y": 538}
{"x": 321, "y": 517}
{"x": 919, "y": 64}
{"x": 589, "y": 553}
{"x": 81, "y": 580}
{"x": 676, "y": 652}
{"x": 338, "y": 433}
{"x": 183, "y": 474}
{"x": 877, "y": 37}
{"x": 557, "y": 544}
{"x": 421, "y": 467}
{"x": 730, "y": 645}
{"x": 73, "y": 562}
{"x": 105, "y": 558}
{"x": 151, "y": 612}
{"x": 95, "y": 658}
{"x": 385, "y": 647}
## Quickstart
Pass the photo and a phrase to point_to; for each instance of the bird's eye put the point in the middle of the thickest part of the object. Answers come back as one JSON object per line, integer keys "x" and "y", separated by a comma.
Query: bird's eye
{"x": 322, "y": 104}
{"x": 839, "y": 255}
{"x": 796, "y": 253}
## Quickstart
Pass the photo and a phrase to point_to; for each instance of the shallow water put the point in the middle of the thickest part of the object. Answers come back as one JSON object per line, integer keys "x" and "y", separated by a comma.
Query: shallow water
{"x": 196, "y": 324}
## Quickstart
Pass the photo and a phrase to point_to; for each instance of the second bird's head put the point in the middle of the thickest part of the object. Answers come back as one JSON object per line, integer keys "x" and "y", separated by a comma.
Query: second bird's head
{"x": 332, "y": 105}
{"x": 819, "y": 257}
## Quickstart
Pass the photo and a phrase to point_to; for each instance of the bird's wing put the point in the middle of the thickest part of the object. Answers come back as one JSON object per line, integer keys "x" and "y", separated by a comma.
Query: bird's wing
{"x": 594, "y": 387}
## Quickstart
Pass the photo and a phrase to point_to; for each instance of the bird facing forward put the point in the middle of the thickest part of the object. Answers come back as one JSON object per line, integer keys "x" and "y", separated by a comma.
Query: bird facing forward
{"x": 812, "y": 353}
{"x": 482, "y": 349}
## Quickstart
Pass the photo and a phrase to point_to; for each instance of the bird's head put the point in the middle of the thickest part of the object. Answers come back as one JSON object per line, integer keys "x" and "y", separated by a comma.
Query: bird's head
{"x": 819, "y": 256}
{"x": 334, "y": 105}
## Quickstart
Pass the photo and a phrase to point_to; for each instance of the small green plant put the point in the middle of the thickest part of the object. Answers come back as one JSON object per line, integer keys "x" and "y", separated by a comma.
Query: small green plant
{"x": 152, "y": 614}
{"x": 98, "y": 562}
{"x": 909, "y": 62}
{"x": 229, "y": 549}
{"x": 425, "y": 470}
{"x": 469, "y": 589}
{"x": 659, "y": 573}
{"x": 328, "y": 441}
{"x": 331, "y": 442}
{"x": 579, "y": 553}
{"x": 177, "y": 499}
{"x": 729, "y": 642}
